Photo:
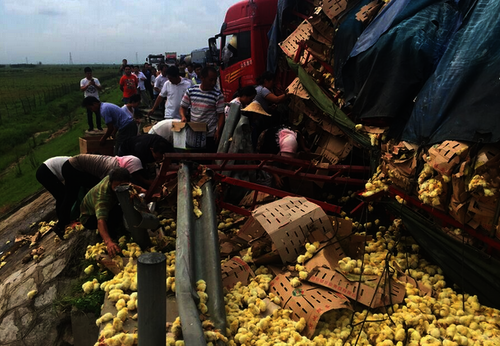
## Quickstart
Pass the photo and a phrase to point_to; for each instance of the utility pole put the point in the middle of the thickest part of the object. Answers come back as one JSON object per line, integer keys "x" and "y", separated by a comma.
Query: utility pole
{"x": 136, "y": 58}
{"x": 70, "y": 59}
{"x": 26, "y": 60}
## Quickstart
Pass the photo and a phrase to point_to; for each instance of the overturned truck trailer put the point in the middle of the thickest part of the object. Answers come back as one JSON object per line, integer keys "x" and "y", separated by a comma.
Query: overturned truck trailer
{"x": 413, "y": 86}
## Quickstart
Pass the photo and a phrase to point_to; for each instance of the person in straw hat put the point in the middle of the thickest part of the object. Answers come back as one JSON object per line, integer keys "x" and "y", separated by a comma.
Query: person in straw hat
{"x": 255, "y": 112}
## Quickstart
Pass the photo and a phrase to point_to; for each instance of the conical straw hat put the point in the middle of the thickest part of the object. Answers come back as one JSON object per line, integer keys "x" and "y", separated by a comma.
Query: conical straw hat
{"x": 255, "y": 107}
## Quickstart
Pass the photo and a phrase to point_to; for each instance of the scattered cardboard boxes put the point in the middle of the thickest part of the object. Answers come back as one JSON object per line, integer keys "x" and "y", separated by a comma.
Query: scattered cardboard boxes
{"x": 92, "y": 145}
{"x": 287, "y": 223}
{"x": 307, "y": 301}
{"x": 371, "y": 292}
{"x": 235, "y": 270}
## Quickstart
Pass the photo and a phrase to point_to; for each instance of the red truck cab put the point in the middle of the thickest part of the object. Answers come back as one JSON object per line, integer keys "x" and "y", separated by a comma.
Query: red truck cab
{"x": 243, "y": 43}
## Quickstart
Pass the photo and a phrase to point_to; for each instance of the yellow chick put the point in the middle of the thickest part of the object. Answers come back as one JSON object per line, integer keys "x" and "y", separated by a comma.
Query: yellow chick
{"x": 32, "y": 294}
{"x": 122, "y": 314}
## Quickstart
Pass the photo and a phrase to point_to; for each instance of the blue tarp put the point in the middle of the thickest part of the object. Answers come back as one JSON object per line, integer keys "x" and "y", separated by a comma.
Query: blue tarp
{"x": 460, "y": 100}
{"x": 391, "y": 63}
{"x": 275, "y": 35}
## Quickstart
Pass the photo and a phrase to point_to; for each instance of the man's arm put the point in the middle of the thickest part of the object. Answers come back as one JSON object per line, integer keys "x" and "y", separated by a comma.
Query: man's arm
{"x": 159, "y": 100}
{"x": 111, "y": 246}
{"x": 109, "y": 131}
{"x": 220, "y": 127}
{"x": 121, "y": 84}
{"x": 97, "y": 84}
{"x": 183, "y": 112}
{"x": 84, "y": 87}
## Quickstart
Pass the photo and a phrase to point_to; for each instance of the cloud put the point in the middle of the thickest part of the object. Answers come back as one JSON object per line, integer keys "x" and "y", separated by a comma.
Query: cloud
{"x": 50, "y": 12}
{"x": 106, "y": 31}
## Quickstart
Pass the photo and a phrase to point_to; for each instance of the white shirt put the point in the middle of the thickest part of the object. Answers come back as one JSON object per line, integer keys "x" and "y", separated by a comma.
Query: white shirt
{"x": 164, "y": 128}
{"x": 55, "y": 165}
{"x": 153, "y": 79}
{"x": 91, "y": 90}
{"x": 139, "y": 76}
{"x": 173, "y": 93}
{"x": 160, "y": 81}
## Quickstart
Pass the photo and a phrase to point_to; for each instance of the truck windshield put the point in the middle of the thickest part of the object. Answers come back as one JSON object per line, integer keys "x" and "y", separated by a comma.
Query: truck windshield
{"x": 235, "y": 48}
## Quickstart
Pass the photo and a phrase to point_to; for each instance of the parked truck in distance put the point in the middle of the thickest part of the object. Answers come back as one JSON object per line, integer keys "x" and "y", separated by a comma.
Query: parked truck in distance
{"x": 170, "y": 58}
{"x": 155, "y": 59}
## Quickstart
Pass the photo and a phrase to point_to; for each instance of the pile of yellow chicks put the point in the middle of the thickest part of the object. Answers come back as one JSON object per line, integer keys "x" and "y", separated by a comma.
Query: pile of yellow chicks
{"x": 443, "y": 318}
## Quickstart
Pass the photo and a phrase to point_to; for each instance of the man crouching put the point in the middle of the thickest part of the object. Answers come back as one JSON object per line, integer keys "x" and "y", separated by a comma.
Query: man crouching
{"x": 100, "y": 209}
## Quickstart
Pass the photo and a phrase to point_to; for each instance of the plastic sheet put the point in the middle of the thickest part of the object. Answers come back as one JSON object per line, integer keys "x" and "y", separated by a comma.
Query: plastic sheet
{"x": 460, "y": 100}
{"x": 384, "y": 75}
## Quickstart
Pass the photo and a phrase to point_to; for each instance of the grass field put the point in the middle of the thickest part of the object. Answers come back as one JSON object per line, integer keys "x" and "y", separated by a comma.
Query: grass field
{"x": 23, "y": 144}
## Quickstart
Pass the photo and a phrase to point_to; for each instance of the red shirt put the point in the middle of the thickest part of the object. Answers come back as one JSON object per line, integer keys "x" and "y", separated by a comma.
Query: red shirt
{"x": 129, "y": 84}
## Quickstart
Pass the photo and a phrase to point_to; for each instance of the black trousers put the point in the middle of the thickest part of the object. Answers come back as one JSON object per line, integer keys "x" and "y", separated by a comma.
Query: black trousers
{"x": 51, "y": 183}
{"x": 91, "y": 122}
{"x": 126, "y": 132}
{"x": 74, "y": 180}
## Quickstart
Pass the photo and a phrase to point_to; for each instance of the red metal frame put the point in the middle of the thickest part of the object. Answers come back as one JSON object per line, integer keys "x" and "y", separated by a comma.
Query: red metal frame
{"x": 445, "y": 218}
{"x": 169, "y": 171}
{"x": 264, "y": 160}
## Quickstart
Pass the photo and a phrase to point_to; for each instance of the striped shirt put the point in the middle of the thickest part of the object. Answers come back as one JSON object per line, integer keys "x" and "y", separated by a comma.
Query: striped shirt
{"x": 205, "y": 106}
{"x": 98, "y": 201}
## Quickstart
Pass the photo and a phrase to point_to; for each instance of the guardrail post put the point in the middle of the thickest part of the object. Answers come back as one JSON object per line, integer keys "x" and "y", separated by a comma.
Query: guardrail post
{"x": 152, "y": 298}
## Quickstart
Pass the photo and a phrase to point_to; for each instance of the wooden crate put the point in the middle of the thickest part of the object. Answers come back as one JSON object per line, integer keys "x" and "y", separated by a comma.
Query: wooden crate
{"x": 91, "y": 145}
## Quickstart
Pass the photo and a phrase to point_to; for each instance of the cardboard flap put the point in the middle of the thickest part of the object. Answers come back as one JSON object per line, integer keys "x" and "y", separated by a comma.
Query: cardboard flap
{"x": 177, "y": 126}
{"x": 408, "y": 279}
{"x": 111, "y": 265}
{"x": 328, "y": 257}
{"x": 296, "y": 88}
{"x": 235, "y": 270}
{"x": 198, "y": 127}
{"x": 307, "y": 301}
{"x": 366, "y": 294}
{"x": 368, "y": 11}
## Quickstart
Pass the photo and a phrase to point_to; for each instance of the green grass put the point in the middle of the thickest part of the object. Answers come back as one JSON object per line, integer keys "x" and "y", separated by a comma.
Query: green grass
{"x": 18, "y": 181}
{"x": 40, "y": 99}
{"x": 77, "y": 299}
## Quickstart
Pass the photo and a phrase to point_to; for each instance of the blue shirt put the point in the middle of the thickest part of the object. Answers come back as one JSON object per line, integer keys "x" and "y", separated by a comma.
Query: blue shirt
{"x": 115, "y": 115}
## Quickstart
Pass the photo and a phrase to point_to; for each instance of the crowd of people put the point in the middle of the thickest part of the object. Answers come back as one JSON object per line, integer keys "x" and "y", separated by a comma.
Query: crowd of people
{"x": 186, "y": 94}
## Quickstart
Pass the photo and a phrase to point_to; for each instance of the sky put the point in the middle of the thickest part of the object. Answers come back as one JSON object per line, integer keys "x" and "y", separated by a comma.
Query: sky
{"x": 105, "y": 31}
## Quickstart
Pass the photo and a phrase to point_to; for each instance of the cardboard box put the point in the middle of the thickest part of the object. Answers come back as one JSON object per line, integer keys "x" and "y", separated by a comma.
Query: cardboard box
{"x": 290, "y": 45}
{"x": 333, "y": 8}
{"x": 235, "y": 270}
{"x": 92, "y": 145}
{"x": 482, "y": 214}
{"x": 189, "y": 135}
{"x": 307, "y": 301}
{"x": 445, "y": 156}
{"x": 364, "y": 293}
{"x": 287, "y": 222}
